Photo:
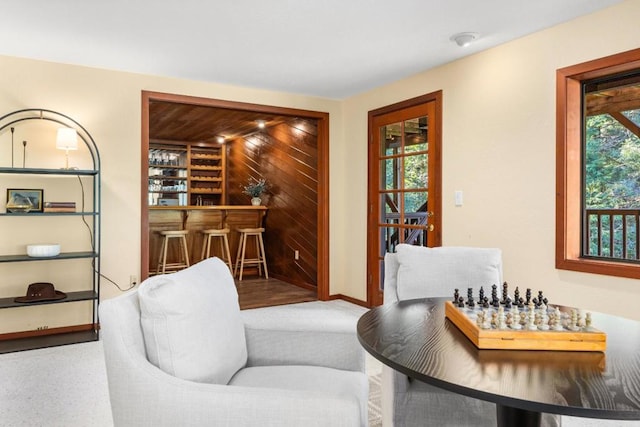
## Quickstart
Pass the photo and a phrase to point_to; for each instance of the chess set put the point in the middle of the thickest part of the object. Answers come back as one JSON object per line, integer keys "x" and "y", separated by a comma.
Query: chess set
{"x": 516, "y": 322}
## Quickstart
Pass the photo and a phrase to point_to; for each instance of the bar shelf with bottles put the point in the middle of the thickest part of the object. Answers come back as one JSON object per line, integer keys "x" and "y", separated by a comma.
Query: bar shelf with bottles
{"x": 168, "y": 176}
{"x": 186, "y": 174}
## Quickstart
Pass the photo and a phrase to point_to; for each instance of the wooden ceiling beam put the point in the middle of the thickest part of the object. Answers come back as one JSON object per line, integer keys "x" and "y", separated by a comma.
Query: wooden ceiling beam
{"x": 624, "y": 121}
{"x": 612, "y": 100}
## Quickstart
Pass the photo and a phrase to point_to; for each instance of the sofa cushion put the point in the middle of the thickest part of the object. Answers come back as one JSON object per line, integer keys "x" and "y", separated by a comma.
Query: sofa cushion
{"x": 191, "y": 323}
{"x": 436, "y": 272}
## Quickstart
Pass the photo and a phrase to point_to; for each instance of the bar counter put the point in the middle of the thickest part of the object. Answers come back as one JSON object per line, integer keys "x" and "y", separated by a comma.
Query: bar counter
{"x": 195, "y": 219}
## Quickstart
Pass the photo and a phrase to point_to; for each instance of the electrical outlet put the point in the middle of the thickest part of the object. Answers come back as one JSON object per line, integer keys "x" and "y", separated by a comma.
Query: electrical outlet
{"x": 42, "y": 328}
{"x": 133, "y": 280}
{"x": 296, "y": 255}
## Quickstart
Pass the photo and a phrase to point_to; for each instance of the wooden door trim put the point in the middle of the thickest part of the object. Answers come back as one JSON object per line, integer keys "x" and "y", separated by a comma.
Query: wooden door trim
{"x": 323, "y": 172}
{"x": 374, "y": 295}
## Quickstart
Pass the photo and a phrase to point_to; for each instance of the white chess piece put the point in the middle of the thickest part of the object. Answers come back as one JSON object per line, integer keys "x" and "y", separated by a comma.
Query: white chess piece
{"x": 544, "y": 320}
{"x": 501, "y": 318}
{"x": 573, "y": 324}
{"x": 531, "y": 318}
{"x": 587, "y": 323}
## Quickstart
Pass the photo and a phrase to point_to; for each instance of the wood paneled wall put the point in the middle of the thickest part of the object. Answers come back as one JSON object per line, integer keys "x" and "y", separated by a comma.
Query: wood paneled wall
{"x": 286, "y": 155}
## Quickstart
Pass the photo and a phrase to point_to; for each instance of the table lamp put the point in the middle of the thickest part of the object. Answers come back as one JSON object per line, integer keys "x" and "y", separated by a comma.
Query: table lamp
{"x": 67, "y": 139}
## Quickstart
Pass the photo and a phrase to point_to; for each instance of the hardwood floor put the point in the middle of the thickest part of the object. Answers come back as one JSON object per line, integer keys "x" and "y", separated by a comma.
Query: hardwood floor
{"x": 255, "y": 293}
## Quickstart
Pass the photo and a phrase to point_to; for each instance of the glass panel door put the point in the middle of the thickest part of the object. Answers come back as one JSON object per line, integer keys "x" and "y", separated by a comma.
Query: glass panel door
{"x": 404, "y": 165}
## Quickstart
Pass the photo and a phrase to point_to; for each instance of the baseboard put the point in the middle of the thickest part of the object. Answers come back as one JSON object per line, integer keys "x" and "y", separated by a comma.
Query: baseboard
{"x": 48, "y": 331}
{"x": 349, "y": 299}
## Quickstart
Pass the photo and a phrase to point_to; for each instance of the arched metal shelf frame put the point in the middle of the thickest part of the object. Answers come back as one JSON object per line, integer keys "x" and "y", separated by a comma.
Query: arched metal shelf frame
{"x": 9, "y": 120}
{"x": 12, "y": 120}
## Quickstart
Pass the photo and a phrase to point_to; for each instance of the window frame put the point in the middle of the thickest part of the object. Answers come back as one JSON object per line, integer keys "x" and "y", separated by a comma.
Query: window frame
{"x": 569, "y": 128}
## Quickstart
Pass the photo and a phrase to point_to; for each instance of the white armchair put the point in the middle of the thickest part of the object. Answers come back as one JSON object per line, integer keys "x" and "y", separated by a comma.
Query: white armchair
{"x": 420, "y": 272}
{"x": 178, "y": 351}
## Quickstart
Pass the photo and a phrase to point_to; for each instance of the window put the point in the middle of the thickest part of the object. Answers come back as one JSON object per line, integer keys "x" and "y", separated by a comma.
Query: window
{"x": 598, "y": 166}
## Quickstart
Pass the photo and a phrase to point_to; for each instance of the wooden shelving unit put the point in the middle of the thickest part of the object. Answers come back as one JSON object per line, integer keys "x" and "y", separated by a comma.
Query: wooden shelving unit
{"x": 196, "y": 176}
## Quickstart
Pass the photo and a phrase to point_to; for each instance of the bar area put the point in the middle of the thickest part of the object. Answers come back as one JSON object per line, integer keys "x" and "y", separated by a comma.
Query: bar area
{"x": 196, "y": 219}
{"x": 199, "y": 159}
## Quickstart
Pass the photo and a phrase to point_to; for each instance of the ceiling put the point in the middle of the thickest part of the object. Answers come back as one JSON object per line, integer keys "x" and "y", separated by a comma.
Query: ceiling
{"x": 172, "y": 121}
{"x": 326, "y": 48}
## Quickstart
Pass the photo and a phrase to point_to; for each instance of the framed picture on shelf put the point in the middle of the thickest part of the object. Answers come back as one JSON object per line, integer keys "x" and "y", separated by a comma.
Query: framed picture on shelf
{"x": 24, "y": 200}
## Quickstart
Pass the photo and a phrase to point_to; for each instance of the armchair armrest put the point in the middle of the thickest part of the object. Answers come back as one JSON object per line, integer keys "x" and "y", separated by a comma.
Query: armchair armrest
{"x": 287, "y": 335}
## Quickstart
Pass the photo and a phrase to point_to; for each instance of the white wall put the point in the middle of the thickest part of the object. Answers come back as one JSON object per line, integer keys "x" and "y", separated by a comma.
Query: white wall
{"x": 499, "y": 148}
{"x": 108, "y": 105}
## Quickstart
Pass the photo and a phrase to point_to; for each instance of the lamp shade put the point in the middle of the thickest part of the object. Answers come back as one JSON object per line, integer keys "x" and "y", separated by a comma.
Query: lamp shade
{"x": 67, "y": 139}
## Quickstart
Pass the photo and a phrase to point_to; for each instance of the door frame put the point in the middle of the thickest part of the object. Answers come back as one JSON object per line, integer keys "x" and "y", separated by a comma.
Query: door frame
{"x": 374, "y": 294}
{"x": 322, "y": 118}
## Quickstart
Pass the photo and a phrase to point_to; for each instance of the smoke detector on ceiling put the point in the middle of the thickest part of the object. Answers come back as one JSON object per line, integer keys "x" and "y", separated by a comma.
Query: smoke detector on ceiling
{"x": 464, "y": 39}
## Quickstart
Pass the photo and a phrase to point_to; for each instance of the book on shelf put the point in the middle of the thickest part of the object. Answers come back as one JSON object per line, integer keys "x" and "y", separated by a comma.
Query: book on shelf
{"x": 59, "y": 210}
{"x": 59, "y": 207}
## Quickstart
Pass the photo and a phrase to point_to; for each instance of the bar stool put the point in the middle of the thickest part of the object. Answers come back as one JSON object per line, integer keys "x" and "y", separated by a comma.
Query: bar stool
{"x": 260, "y": 260}
{"x": 162, "y": 259}
{"x": 221, "y": 234}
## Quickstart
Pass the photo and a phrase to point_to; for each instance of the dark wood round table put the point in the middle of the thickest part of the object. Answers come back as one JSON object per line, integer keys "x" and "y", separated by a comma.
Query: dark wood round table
{"x": 415, "y": 338}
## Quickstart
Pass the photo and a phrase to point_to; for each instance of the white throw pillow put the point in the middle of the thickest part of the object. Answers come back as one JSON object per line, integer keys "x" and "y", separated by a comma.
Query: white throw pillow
{"x": 191, "y": 323}
{"x": 436, "y": 272}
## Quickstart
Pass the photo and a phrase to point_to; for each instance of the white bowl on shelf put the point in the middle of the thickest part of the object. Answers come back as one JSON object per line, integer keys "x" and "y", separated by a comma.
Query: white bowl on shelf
{"x": 43, "y": 250}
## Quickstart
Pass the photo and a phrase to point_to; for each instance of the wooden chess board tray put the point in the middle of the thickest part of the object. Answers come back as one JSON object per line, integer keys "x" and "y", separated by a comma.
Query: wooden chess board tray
{"x": 510, "y": 339}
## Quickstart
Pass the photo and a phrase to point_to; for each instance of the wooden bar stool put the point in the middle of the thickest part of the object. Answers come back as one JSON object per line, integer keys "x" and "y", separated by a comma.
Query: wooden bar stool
{"x": 260, "y": 260}
{"x": 162, "y": 259}
{"x": 224, "y": 244}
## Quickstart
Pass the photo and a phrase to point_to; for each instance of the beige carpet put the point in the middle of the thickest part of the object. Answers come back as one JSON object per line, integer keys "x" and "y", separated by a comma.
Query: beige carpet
{"x": 375, "y": 400}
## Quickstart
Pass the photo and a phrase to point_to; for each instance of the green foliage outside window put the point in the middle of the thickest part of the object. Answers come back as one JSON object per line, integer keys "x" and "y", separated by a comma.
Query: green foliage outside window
{"x": 612, "y": 163}
{"x": 612, "y": 181}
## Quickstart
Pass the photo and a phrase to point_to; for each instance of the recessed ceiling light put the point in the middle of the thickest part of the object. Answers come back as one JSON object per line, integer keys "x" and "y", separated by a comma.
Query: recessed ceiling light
{"x": 261, "y": 124}
{"x": 220, "y": 139}
{"x": 464, "y": 39}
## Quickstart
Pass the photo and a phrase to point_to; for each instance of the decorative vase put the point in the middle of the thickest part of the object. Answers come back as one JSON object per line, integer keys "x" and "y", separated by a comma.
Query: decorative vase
{"x": 255, "y": 201}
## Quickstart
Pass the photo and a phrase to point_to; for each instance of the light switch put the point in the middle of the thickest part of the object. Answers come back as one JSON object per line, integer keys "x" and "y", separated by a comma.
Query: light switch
{"x": 458, "y": 197}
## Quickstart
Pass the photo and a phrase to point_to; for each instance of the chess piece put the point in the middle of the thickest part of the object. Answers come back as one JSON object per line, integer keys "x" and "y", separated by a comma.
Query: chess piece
{"x": 531, "y": 317}
{"x": 544, "y": 320}
{"x": 539, "y": 300}
{"x": 516, "y": 295}
{"x": 487, "y": 320}
{"x": 505, "y": 291}
{"x": 558, "y": 320}
{"x": 460, "y": 302}
{"x": 480, "y": 319}
{"x": 580, "y": 322}
{"x": 516, "y": 319}
{"x": 573, "y": 323}
{"x": 494, "y": 295}
{"x": 470, "y": 301}
{"x": 501, "y": 318}
{"x": 456, "y": 295}
{"x": 508, "y": 302}
{"x": 523, "y": 318}
{"x": 587, "y": 322}
{"x": 527, "y": 296}
{"x": 531, "y": 321}
{"x": 481, "y": 295}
